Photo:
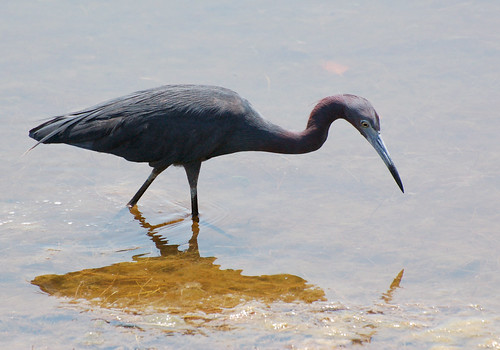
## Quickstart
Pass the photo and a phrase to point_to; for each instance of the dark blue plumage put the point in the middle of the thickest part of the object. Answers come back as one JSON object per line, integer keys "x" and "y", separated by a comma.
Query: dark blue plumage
{"x": 187, "y": 124}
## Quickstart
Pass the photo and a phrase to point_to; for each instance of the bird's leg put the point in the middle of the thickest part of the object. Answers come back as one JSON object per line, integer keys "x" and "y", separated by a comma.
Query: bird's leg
{"x": 192, "y": 172}
{"x": 145, "y": 185}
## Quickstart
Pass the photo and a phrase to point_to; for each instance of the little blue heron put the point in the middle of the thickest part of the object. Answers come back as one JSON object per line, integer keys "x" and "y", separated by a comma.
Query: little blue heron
{"x": 188, "y": 124}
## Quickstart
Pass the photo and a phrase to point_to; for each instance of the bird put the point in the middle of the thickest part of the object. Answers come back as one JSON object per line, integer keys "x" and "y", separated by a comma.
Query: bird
{"x": 185, "y": 125}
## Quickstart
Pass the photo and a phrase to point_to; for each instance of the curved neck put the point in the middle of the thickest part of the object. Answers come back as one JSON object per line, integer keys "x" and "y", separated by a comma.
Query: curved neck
{"x": 312, "y": 138}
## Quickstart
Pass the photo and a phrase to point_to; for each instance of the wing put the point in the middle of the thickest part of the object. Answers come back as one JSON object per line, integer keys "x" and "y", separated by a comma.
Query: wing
{"x": 173, "y": 123}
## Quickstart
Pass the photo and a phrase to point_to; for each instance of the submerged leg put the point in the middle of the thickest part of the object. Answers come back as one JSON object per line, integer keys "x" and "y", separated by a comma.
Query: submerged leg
{"x": 192, "y": 172}
{"x": 145, "y": 185}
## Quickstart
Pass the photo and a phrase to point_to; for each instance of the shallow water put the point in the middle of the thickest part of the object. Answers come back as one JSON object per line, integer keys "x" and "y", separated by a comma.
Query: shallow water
{"x": 290, "y": 251}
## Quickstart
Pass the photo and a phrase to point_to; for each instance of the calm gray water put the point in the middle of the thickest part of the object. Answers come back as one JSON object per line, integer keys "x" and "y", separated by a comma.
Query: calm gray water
{"x": 291, "y": 251}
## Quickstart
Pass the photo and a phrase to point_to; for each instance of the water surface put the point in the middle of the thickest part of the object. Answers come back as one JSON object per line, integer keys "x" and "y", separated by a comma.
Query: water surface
{"x": 313, "y": 243}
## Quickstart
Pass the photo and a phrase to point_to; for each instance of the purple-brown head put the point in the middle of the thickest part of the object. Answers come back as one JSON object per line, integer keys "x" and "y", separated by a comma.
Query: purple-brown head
{"x": 361, "y": 114}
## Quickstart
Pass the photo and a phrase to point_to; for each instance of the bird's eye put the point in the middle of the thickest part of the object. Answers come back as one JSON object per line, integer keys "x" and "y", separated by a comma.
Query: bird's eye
{"x": 364, "y": 124}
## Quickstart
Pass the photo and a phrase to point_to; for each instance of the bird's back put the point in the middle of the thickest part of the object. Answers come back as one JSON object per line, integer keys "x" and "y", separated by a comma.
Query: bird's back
{"x": 172, "y": 123}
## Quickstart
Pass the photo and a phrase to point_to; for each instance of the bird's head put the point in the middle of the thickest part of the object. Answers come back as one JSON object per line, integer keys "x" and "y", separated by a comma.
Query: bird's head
{"x": 361, "y": 114}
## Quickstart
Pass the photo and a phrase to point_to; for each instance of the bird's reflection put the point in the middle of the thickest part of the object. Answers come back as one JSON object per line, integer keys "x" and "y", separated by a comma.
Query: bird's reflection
{"x": 387, "y": 296}
{"x": 177, "y": 281}
{"x": 161, "y": 242}
{"x": 183, "y": 283}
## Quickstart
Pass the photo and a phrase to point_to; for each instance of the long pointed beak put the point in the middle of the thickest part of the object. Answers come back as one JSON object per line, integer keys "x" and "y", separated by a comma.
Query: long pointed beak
{"x": 376, "y": 141}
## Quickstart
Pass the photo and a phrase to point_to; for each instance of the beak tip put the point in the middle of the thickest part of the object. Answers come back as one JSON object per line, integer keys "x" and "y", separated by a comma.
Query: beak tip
{"x": 395, "y": 175}
{"x": 400, "y": 183}
{"x": 378, "y": 144}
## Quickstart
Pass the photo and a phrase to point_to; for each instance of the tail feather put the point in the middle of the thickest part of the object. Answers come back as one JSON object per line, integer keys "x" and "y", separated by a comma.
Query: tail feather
{"x": 44, "y": 132}
{"x": 52, "y": 131}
